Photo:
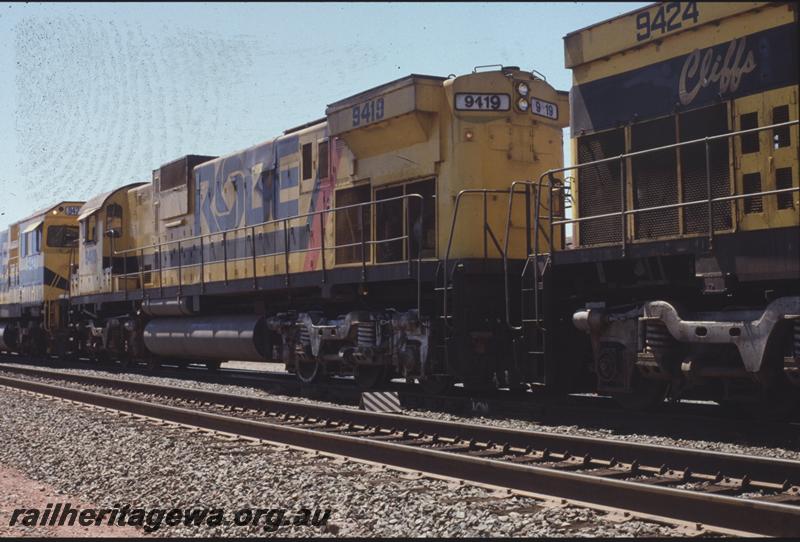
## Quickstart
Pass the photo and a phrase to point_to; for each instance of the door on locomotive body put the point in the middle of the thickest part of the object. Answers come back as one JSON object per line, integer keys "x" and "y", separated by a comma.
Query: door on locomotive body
{"x": 60, "y": 248}
{"x": 32, "y": 262}
{"x": 313, "y": 196}
{"x": 141, "y": 228}
{"x": 767, "y": 160}
{"x": 4, "y": 282}
{"x": 13, "y": 265}
{"x": 353, "y": 228}
{"x": 405, "y": 228}
{"x": 90, "y": 265}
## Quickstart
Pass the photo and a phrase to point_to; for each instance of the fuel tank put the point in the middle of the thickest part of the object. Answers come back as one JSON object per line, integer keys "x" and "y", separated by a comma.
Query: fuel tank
{"x": 8, "y": 337}
{"x": 205, "y": 338}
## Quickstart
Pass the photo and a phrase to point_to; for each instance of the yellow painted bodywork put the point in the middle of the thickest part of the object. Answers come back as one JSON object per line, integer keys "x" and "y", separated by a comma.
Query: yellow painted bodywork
{"x": 420, "y": 136}
{"x": 618, "y": 36}
{"x": 17, "y": 263}
{"x": 610, "y": 48}
{"x": 94, "y": 274}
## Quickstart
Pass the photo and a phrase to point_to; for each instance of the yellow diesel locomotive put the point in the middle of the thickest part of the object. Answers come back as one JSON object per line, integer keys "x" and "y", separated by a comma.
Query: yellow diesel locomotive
{"x": 36, "y": 254}
{"x": 370, "y": 242}
{"x": 684, "y": 268}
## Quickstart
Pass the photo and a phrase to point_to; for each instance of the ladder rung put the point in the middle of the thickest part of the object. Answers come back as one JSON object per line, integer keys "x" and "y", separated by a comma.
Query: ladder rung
{"x": 532, "y": 320}
{"x": 442, "y": 289}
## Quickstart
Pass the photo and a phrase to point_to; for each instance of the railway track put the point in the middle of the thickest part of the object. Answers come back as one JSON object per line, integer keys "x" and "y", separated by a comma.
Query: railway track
{"x": 735, "y": 492}
{"x": 686, "y": 421}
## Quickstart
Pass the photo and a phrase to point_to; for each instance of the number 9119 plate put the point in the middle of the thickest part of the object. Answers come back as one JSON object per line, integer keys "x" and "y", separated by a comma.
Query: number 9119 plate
{"x": 482, "y": 102}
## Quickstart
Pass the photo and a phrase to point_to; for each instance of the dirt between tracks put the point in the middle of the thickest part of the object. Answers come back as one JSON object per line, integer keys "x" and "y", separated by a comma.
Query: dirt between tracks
{"x": 17, "y": 491}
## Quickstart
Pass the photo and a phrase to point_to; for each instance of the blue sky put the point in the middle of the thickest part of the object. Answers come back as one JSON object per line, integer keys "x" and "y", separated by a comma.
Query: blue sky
{"x": 93, "y": 96}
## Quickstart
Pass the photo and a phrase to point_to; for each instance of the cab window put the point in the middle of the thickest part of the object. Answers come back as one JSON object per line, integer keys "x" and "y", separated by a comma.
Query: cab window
{"x": 352, "y": 224}
{"x": 62, "y": 236}
{"x": 90, "y": 229}
{"x": 114, "y": 218}
{"x": 401, "y": 237}
{"x": 31, "y": 242}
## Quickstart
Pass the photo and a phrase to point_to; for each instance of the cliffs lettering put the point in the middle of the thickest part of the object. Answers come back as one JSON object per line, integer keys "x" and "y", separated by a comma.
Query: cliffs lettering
{"x": 704, "y": 68}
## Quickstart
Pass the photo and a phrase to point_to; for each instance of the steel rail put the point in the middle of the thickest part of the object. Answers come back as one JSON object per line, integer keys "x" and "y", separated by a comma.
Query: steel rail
{"x": 766, "y": 469}
{"x": 679, "y": 421}
{"x": 713, "y": 510}
{"x": 623, "y": 213}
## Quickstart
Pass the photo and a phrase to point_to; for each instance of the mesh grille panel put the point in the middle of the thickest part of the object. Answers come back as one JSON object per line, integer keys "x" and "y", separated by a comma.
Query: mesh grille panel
{"x": 599, "y": 187}
{"x": 695, "y": 125}
{"x": 752, "y": 184}
{"x": 783, "y": 179}
{"x": 655, "y": 179}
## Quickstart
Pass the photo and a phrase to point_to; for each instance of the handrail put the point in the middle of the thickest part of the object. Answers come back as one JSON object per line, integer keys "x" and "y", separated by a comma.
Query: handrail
{"x": 676, "y": 205}
{"x": 269, "y": 223}
{"x": 451, "y": 235}
{"x": 468, "y": 191}
{"x": 528, "y": 185}
{"x": 625, "y": 156}
{"x": 709, "y": 200}
{"x": 363, "y": 243}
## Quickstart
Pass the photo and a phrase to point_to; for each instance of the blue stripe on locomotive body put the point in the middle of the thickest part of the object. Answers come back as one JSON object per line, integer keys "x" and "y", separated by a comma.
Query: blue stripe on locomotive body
{"x": 256, "y": 200}
{"x": 31, "y": 270}
{"x": 767, "y": 60}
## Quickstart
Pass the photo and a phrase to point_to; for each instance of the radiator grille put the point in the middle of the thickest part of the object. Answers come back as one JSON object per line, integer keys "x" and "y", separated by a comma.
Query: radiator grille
{"x": 599, "y": 187}
{"x": 695, "y": 125}
{"x": 655, "y": 180}
{"x": 752, "y": 185}
{"x": 783, "y": 179}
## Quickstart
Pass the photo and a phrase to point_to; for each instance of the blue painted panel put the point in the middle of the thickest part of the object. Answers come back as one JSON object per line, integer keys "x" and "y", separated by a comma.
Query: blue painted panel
{"x": 751, "y": 64}
{"x": 250, "y": 200}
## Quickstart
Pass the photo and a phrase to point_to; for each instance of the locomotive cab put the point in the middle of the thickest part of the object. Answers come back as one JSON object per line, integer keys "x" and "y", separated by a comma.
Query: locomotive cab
{"x": 39, "y": 252}
{"x": 105, "y": 230}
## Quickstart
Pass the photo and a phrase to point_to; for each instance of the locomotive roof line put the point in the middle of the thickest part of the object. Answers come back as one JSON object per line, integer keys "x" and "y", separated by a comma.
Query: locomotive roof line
{"x": 618, "y": 34}
{"x": 98, "y": 201}
{"x": 385, "y": 87}
{"x": 190, "y": 157}
{"x": 305, "y": 125}
{"x": 44, "y": 211}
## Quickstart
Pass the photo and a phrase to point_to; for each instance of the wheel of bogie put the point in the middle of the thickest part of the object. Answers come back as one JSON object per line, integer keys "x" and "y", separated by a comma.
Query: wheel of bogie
{"x": 646, "y": 394}
{"x": 435, "y": 384}
{"x": 308, "y": 372}
{"x": 210, "y": 365}
{"x": 153, "y": 364}
{"x": 369, "y": 377}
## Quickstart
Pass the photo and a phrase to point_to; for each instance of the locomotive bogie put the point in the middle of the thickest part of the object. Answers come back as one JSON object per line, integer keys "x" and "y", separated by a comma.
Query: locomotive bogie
{"x": 658, "y": 342}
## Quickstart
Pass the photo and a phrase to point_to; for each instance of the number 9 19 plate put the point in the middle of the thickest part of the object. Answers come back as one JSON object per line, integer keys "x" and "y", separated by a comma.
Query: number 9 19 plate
{"x": 482, "y": 102}
{"x": 544, "y": 109}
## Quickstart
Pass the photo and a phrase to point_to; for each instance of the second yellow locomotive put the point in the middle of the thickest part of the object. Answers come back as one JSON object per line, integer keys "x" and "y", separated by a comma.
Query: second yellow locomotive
{"x": 369, "y": 242}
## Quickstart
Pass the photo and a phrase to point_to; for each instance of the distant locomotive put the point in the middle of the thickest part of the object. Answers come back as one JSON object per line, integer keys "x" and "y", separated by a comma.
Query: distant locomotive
{"x": 35, "y": 257}
{"x": 421, "y": 230}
